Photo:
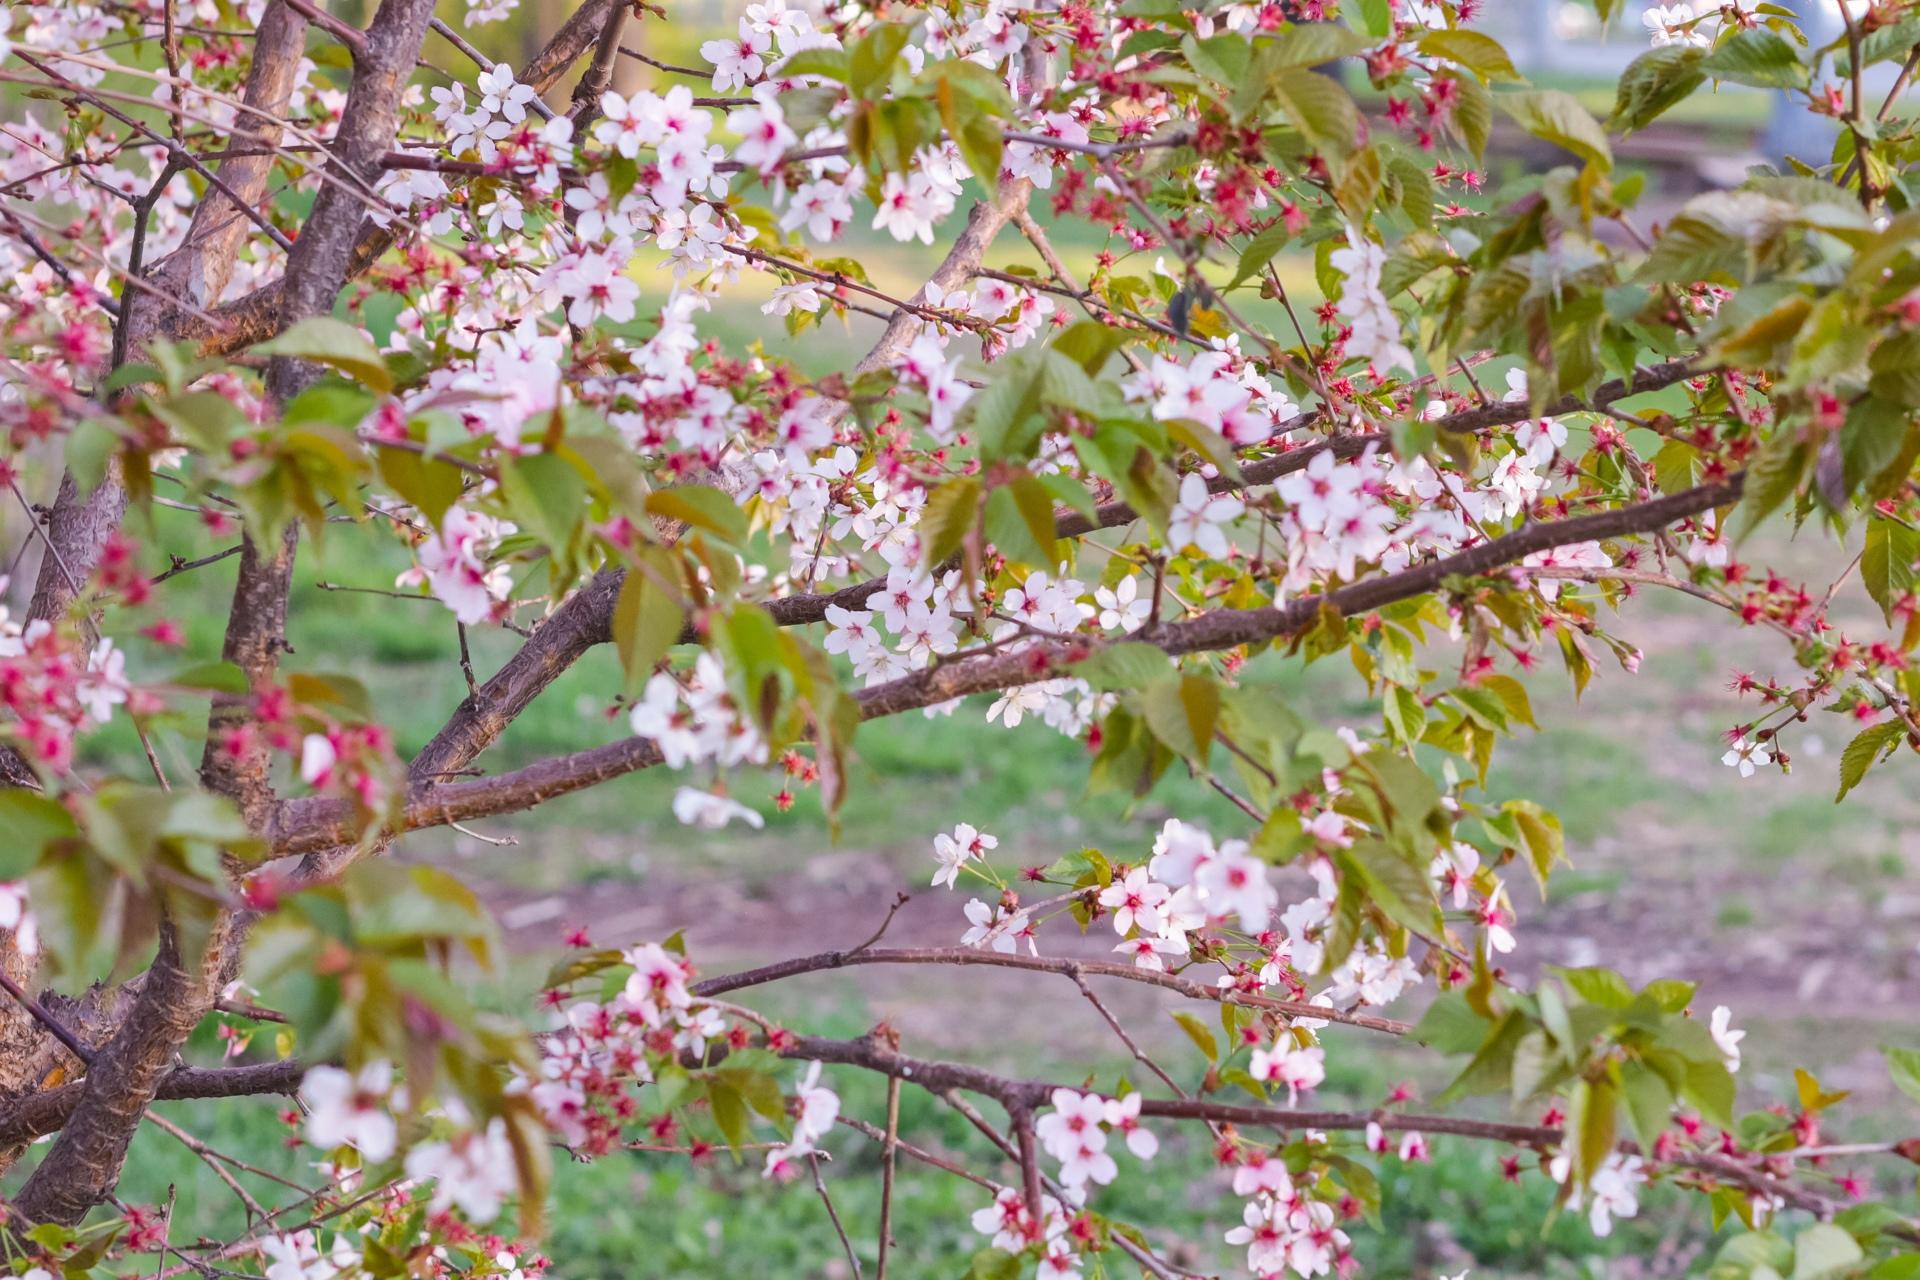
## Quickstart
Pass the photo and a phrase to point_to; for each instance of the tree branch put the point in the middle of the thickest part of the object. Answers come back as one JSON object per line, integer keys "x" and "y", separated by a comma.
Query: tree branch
{"x": 306, "y": 824}
{"x": 45, "y": 1113}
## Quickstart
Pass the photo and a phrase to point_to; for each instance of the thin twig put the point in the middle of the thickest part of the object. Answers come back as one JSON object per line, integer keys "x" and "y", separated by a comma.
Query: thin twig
{"x": 211, "y": 1159}
{"x": 886, "y": 1171}
{"x": 45, "y": 1018}
{"x": 820, "y": 1185}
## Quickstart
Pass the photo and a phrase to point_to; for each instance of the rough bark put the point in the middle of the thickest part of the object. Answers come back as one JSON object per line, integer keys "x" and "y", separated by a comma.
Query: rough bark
{"x": 86, "y": 1159}
{"x": 198, "y": 271}
{"x": 259, "y": 315}
{"x": 256, "y": 633}
{"x": 956, "y": 269}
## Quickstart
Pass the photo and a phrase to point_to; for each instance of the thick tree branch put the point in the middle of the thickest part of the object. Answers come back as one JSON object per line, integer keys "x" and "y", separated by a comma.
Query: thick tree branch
{"x": 79, "y": 526}
{"x": 197, "y": 272}
{"x": 983, "y": 224}
{"x": 258, "y": 315}
{"x": 586, "y": 619}
{"x": 1022, "y": 1097}
{"x": 45, "y": 1113}
{"x": 307, "y": 824}
{"x": 85, "y": 1162}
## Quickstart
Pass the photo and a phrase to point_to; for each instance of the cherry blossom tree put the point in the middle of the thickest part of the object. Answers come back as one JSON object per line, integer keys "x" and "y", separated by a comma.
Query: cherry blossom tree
{"x": 273, "y": 270}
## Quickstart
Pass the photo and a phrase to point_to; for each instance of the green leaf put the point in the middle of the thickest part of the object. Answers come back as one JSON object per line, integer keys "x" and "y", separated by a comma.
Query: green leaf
{"x": 1222, "y": 58}
{"x": 829, "y": 64}
{"x": 1089, "y": 344}
{"x": 32, "y": 822}
{"x": 1471, "y": 49}
{"x": 1541, "y": 837}
{"x": 1319, "y": 107}
{"x": 1000, "y": 413}
{"x": 948, "y": 515}
{"x": 1904, "y": 1066}
{"x": 1653, "y": 83}
{"x": 1649, "y": 1101}
{"x": 1709, "y": 1086}
{"x": 1019, "y": 522}
{"x": 993, "y": 1264}
{"x": 729, "y": 1112}
{"x": 873, "y": 58}
{"x": 1592, "y": 1116}
{"x": 1183, "y": 711}
{"x": 428, "y": 484}
{"x": 977, "y": 133}
{"x": 1886, "y": 562}
{"x": 1556, "y": 116}
{"x": 342, "y": 695}
{"x": 548, "y": 497}
{"x": 1599, "y": 986}
{"x": 1259, "y": 252}
{"x": 335, "y": 344}
{"x": 1772, "y": 477}
{"x": 1406, "y": 715}
{"x": 1359, "y": 183}
{"x": 703, "y": 507}
{"x": 1867, "y": 749}
{"x": 1871, "y": 439}
{"x": 67, "y": 899}
{"x": 1450, "y": 1025}
{"x": 1823, "y": 1250}
{"x": 1200, "y": 1034}
{"x": 1491, "y": 1069}
{"x": 1473, "y": 114}
{"x": 1393, "y": 883}
{"x": 1310, "y": 44}
{"x": 1127, "y": 665}
{"x": 647, "y": 616}
{"x": 1760, "y": 58}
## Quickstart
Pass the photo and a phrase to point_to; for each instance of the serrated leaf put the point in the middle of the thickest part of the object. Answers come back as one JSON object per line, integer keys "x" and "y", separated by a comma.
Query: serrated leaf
{"x": 1823, "y": 1250}
{"x": 1019, "y": 522}
{"x": 1772, "y": 477}
{"x": 1393, "y": 883}
{"x": 547, "y": 495}
{"x": 1556, "y": 116}
{"x": 1867, "y": 749}
{"x": 1473, "y": 114}
{"x": 1183, "y": 711}
{"x": 1319, "y": 107}
{"x": 1653, "y": 83}
{"x": 1592, "y": 1117}
{"x": 428, "y": 484}
{"x": 1474, "y": 50}
{"x": 1886, "y": 562}
{"x": 1760, "y": 58}
{"x": 1649, "y": 1101}
{"x": 829, "y": 64}
{"x": 1259, "y": 252}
